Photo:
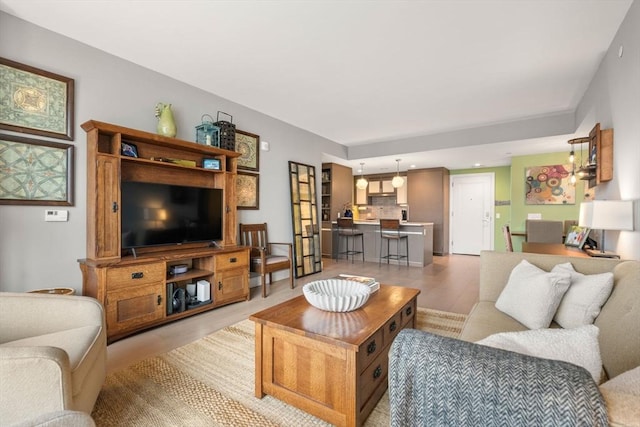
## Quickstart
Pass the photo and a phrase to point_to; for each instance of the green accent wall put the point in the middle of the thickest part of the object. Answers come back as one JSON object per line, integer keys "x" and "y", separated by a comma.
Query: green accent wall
{"x": 519, "y": 208}
{"x": 510, "y": 192}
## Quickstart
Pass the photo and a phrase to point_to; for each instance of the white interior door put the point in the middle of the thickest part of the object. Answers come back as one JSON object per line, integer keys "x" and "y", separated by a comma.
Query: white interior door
{"x": 471, "y": 224}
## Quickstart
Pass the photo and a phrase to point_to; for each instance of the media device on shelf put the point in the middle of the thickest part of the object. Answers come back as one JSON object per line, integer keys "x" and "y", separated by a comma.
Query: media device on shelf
{"x": 160, "y": 214}
{"x": 179, "y": 269}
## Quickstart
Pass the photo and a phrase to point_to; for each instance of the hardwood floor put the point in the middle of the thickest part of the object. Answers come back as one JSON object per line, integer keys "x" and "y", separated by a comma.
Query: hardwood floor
{"x": 449, "y": 284}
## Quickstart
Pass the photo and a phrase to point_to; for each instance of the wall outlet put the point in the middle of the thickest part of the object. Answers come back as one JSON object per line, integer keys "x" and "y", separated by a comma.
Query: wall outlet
{"x": 51, "y": 215}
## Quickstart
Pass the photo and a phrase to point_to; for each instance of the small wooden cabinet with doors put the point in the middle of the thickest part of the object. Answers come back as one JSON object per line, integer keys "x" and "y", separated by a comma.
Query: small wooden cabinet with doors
{"x": 137, "y": 288}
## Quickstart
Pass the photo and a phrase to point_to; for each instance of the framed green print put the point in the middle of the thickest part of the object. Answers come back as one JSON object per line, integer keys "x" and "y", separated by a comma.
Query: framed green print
{"x": 35, "y": 101}
{"x": 35, "y": 172}
{"x": 248, "y": 144}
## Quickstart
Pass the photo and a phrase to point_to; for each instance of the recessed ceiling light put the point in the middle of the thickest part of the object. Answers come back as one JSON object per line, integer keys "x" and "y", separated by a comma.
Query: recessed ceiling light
{"x": 477, "y": 165}
{"x": 412, "y": 166}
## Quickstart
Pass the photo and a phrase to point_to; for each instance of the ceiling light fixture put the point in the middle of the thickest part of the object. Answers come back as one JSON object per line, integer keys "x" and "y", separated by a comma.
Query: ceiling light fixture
{"x": 362, "y": 183}
{"x": 397, "y": 180}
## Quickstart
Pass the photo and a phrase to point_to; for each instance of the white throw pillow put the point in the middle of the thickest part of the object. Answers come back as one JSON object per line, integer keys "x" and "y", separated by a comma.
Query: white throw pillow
{"x": 532, "y": 295}
{"x": 587, "y": 294}
{"x": 578, "y": 346}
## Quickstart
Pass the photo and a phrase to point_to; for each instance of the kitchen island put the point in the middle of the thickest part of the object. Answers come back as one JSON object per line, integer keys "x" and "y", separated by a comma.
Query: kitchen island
{"x": 420, "y": 236}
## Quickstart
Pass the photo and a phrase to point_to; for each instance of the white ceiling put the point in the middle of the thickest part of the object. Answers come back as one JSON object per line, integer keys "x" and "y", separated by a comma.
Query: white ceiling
{"x": 364, "y": 72}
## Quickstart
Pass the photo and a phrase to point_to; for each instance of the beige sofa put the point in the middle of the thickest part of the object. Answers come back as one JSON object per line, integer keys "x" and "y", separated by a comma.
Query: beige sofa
{"x": 52, "y": 354}
{"x": 618, "y": 321}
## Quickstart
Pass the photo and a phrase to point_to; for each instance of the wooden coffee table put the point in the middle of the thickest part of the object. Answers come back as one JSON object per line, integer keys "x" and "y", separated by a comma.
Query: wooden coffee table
{"x": 331, "y": 365}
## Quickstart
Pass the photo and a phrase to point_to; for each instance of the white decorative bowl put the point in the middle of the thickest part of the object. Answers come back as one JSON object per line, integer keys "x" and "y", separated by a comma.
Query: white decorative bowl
{"x": 336, "y": 294}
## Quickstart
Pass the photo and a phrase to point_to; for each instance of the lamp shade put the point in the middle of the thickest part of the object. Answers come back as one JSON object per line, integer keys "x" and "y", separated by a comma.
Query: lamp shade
{"x": 397, "y": 181}
{"x": 362, "y": 183}
{"x": 607, "y": 215}
{"x": 586, "y": 212}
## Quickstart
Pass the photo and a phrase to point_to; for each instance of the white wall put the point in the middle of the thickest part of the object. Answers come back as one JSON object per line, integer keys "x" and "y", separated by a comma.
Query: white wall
{"x": 613, "y": 100}
{"x": 35, "y": 254}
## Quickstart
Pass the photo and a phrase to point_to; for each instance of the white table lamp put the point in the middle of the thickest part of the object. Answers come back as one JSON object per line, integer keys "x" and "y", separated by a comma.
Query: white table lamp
{"x": 607, "y": 215}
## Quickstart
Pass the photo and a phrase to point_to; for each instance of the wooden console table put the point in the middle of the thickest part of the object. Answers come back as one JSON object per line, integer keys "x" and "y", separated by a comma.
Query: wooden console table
{"x": 331, "y": 365}
{"x": 553, "y": 249}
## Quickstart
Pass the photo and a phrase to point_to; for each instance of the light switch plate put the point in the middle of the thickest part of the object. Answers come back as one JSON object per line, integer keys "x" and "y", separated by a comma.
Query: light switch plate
{"x": 54, "y": 215}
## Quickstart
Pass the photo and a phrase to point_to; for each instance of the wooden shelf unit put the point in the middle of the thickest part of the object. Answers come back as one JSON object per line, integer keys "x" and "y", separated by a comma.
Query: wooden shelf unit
{"x": 599, "y": 167}
{"x": 336, "y": 196}
{"x": 133, "y": 289}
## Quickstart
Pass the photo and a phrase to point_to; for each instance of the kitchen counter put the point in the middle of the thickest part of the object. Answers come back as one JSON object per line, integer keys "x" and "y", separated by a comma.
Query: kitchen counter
{"x": 377, "y": 222}
{"x": 420, "y": 236}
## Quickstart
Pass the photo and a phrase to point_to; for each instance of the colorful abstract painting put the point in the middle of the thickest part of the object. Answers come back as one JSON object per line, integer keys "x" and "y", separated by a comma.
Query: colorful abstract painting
{"x": 549, "y": 185}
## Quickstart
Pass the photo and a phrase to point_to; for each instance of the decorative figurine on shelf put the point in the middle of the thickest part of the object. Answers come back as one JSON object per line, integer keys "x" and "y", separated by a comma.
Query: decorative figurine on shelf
{"x": 166, "y": 124}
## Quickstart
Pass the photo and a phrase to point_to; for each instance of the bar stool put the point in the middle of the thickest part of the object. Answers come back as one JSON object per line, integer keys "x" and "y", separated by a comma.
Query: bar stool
{"x": 347, "y": 231}
{"x": 390, "y": 230}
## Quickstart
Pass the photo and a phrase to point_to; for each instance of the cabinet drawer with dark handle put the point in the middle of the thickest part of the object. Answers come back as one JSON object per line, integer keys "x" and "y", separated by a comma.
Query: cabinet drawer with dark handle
{"x": 370, "y": 349}
{"x": 372, "y": 377}
{"x": 392, "y": 327}
{"x": 135, "y": 275}
{"x": 232, "y": 260}
{"x": 408, "y": 312}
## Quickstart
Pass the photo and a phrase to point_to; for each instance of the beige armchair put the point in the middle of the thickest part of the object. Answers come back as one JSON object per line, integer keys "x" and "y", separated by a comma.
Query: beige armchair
{"x": 52, "y": 354}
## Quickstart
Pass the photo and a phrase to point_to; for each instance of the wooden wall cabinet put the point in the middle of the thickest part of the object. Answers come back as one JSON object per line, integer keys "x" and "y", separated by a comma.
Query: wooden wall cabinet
{"x": 133, "y": 288}
{"x": 380, "y": 185}
{"x": 428, "y": 199}
{"x": 600, "y": 166}
{"x": 401, "y": 193}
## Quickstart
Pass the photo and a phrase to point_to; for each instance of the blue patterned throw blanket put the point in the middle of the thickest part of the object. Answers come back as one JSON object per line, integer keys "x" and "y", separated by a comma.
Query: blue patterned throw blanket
{"x": 439, "y": 381}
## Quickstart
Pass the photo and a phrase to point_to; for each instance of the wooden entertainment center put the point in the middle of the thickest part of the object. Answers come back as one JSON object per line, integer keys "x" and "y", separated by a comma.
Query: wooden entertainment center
{"x": 133, "y": 286}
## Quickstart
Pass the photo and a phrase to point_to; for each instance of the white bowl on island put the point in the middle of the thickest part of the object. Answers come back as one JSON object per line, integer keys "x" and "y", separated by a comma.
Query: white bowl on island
{"x": 336, "y": 294}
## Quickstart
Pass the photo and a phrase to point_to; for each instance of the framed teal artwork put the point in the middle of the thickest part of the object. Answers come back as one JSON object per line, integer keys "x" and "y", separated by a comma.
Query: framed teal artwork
{"x": 35, "y": 101}
{"x": 34, "y": 172}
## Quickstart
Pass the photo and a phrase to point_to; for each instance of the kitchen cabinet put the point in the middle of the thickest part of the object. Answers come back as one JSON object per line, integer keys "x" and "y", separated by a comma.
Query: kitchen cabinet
{"x": 361, "y": 196}
{"x": 380, "y": 186}
{"x": 428, "y": 199}
{"x": 374, "y": 186}
{"x": 401, "y": 193}
{"x": 337, "y": 194}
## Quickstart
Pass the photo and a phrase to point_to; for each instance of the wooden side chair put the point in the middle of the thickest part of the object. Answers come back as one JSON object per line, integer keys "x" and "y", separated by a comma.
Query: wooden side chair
{"x": 263, "y": 260}
{"x": 506, "y": 233}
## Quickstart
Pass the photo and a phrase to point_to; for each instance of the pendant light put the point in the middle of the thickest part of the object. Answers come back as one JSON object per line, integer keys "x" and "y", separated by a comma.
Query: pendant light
{"x": 362, "y": 183}
{"x": 572, "y": 157}
{"x": 397, "y": 180}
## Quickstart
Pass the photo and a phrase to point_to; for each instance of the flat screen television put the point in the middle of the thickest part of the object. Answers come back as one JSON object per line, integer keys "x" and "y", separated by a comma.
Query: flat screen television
{"x": 160, "y": 214}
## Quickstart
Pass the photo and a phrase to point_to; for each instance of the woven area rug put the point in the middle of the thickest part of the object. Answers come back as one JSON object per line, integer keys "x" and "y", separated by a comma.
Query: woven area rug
{"x": 210, "y": 382}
